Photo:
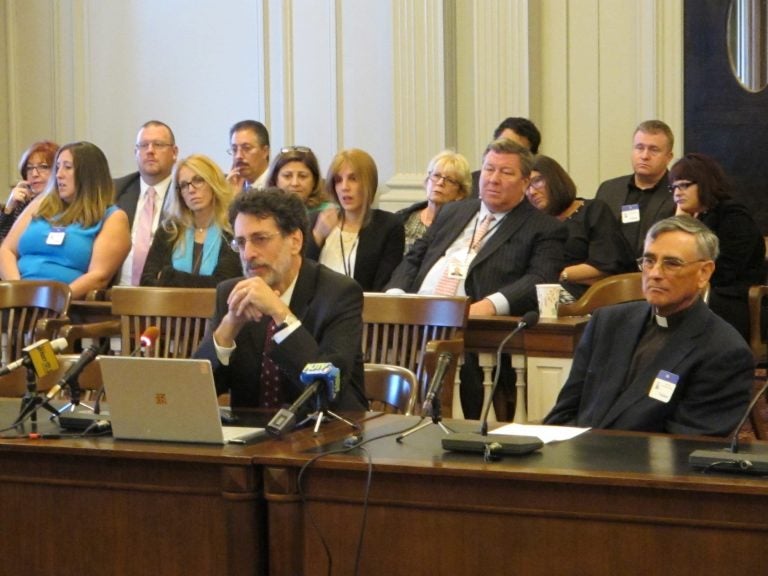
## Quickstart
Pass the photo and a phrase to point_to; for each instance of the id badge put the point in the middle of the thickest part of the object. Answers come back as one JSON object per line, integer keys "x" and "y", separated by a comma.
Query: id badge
{"x": 663, "y": 386}
{"x": 56, "y": 237}
{"x": 630, "y": 213}
{"x": 457, "y": 270}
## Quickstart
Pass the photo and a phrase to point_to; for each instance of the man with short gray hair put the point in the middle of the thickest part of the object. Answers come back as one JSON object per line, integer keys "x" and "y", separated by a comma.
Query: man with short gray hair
{"x": 668, "y": 364}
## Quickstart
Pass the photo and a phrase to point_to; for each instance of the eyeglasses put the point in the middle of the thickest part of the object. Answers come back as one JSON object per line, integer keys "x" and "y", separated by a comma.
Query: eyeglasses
{"x": 39, "y": 168}
{"x": 289, "y": 149}
{"x": 668, "y": 264}
{"x": 244, "y": 148}
{"x": 259, "y": 241}
{"x": 144, "y": 146}
{"x": 682, "y": 186}
{"x": 436, "y": 177}
{"x": 196, "y": 182}
{"x": 538, "y": 183}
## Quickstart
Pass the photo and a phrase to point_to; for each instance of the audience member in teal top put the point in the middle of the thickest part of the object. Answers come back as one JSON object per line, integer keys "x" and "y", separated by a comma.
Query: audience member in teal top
{"x": 71, "y": 232}
{"x": 191, "y": 247}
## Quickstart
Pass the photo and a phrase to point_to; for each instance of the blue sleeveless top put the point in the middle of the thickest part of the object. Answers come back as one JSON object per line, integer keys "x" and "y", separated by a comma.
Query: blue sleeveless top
{"x": 66, "y": 262}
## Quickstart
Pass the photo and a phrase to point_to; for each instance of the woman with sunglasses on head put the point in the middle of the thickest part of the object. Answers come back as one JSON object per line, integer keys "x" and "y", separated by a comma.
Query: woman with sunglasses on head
{"x": 72, "y": 232}
{"x": 448, "y": 179}
{"x": 296, "y": 170}
{"x": 596, "y": 247}
{"x": 191, "y": 247}
{"x": 35, "y": 169}
{"x": 700, "y": 189}
{"x": 356, "y": 240}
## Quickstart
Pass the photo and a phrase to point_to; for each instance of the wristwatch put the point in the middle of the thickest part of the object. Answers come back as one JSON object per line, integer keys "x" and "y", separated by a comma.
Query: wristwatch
{"x": 289, "y": 319}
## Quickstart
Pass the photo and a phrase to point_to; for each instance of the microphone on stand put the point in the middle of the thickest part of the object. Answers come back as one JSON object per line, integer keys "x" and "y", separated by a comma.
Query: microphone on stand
{"x": 730, "y": 459}
{"x": 324, "y": 384}
{"x": 480, "y": 442}
{"x": 41, "y": 355}
{"x": 71, "y": 375}
{"x": 436, "y": 386}
{"x": 146, "y": 341}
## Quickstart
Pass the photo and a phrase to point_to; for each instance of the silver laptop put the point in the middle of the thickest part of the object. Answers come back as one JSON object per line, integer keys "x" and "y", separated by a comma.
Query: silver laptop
{"x": 166, "y": 399}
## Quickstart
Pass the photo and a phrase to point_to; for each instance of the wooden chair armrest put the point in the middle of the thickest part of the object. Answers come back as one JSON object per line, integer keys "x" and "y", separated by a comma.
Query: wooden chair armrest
{"x": 95, "y": 330}
{"x": 48, "y": 328}
{"x": 99, "y": 295}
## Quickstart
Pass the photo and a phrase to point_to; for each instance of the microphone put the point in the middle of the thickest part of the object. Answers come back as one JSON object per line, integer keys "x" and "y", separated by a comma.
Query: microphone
{"x": 41, "y": 355}
{"x": 71, "y": 375}
{"x": 474, "y": 442}
{"x": 146, "y": 340}
{"x": 443, "y": 361}
{"x": 730, "y": 459}
{"x": 324, "y": 382}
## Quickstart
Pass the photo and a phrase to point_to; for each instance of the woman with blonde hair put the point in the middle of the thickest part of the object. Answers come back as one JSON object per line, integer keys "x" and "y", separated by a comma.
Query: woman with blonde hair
{"x": 448, "y": 179}
{"x": 191, "y": 247}
{"x": 72, "y": 232}
{"x": 356, "y": 240}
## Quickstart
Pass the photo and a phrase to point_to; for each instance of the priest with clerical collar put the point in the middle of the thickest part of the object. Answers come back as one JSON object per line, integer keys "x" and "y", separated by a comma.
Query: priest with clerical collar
{"x": 668, "y": 364}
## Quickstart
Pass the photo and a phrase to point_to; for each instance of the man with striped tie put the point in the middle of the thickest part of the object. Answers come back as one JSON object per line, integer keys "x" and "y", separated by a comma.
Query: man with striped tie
{"x": 494, "y": 249}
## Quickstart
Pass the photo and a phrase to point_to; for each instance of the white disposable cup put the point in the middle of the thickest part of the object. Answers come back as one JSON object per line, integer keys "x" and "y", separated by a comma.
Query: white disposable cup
{"x": 549, "y": 298}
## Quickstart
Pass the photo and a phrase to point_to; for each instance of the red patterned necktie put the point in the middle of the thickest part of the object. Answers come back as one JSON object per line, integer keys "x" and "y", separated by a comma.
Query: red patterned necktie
{"x": 270, "y": 372}
{"x": 447, "y": 285}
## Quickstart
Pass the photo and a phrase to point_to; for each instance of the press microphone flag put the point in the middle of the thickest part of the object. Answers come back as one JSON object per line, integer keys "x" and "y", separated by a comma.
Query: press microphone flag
{"x": 41, "y": 356}
{"x": 323, "y": 379}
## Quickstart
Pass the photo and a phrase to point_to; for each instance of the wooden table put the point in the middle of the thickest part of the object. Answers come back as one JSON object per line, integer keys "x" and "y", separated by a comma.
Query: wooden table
{"x": 98, "y": 506}
{"x": 604, "y": 503}
{"x": 541, "y": 357}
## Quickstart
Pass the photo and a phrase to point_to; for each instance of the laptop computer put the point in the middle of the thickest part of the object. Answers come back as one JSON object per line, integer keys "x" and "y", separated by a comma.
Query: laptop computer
{"x": 166, "y": 399}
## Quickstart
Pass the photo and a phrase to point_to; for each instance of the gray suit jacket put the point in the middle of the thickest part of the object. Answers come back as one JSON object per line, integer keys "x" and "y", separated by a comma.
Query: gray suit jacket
{"x": 713, "y": 362}
{"x": 525, "y": 250}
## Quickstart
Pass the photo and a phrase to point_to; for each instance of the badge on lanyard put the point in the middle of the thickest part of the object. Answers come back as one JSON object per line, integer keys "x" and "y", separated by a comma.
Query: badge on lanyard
{"x": 457, "y": 269}
{"x": 663, "y": 386}
{"x": 630, "y": 213}
{"x": 56, "y": 237}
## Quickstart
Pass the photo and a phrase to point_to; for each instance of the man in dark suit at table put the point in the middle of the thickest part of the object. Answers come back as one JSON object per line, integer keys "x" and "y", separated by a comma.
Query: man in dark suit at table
{"x": 494, "y": 249}
{"x": 666, "y": 365}
{"x": 144, "y": 194}
{"x": 642, "y": 198}
{"x": 287, "y": 312}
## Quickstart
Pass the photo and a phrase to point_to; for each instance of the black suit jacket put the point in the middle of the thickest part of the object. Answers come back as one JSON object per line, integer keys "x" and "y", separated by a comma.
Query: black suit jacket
{"x": 330, "y": 307}
{"x": 380, "y": 249}
{"x": 127, "y": 192}
{"x": 714, "y": 364}
{"x": 660, "y": 205}
{"x": 525, "y": 250}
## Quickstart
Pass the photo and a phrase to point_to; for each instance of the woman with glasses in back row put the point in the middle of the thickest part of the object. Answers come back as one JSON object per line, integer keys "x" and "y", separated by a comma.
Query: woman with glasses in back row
{"x": 355, "y": 239}
{"x": 448, "y": 179}
{"x": 596, "y": 247}
{"x": 35, "y": 169}
{"x": 191, "y": 247}
{"x": 700, "y": 189}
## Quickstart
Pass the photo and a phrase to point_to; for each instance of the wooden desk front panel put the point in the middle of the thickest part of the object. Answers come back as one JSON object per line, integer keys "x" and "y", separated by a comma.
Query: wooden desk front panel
{"x": 568, "y": 510}
{"x": 67, "y": 512}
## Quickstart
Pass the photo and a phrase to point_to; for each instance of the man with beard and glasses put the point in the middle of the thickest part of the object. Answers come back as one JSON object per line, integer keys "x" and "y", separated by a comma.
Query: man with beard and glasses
{"x": 285, "y": 313}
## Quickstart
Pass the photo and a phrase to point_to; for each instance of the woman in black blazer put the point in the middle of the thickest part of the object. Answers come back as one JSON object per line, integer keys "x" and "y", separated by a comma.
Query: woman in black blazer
{"x": 700, "y": 189}
{"x": 356, "y": 240}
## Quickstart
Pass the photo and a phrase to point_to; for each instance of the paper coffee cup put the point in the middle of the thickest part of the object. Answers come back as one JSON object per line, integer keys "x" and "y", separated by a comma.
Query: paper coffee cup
{"x": 549, "y": 298}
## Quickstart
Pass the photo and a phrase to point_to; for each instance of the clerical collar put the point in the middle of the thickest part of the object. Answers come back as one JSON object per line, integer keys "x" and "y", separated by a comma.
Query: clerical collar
{"x": 674, "y": 320}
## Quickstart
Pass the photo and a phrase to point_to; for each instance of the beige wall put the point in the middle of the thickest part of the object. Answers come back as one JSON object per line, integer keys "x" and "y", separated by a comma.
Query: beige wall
{"x": 399, "y": 78}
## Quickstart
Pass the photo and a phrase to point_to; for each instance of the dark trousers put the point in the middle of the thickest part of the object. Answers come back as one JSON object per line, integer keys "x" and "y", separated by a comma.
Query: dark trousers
{"x": 471, "y": 388}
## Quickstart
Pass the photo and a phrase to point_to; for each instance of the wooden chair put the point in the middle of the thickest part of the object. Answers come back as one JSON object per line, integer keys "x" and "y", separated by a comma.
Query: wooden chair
{"x": 759, "y": 346}
{"x": 611, "y": 290}
{"x": 25, "y": 306}
{"x": 389, "y": 388}
{"x": 397, "y": 329}
{"x": 180, "y": 314}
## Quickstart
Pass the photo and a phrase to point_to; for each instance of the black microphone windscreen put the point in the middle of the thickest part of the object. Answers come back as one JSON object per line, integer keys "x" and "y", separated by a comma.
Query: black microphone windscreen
{"x": 531, "y": 318}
